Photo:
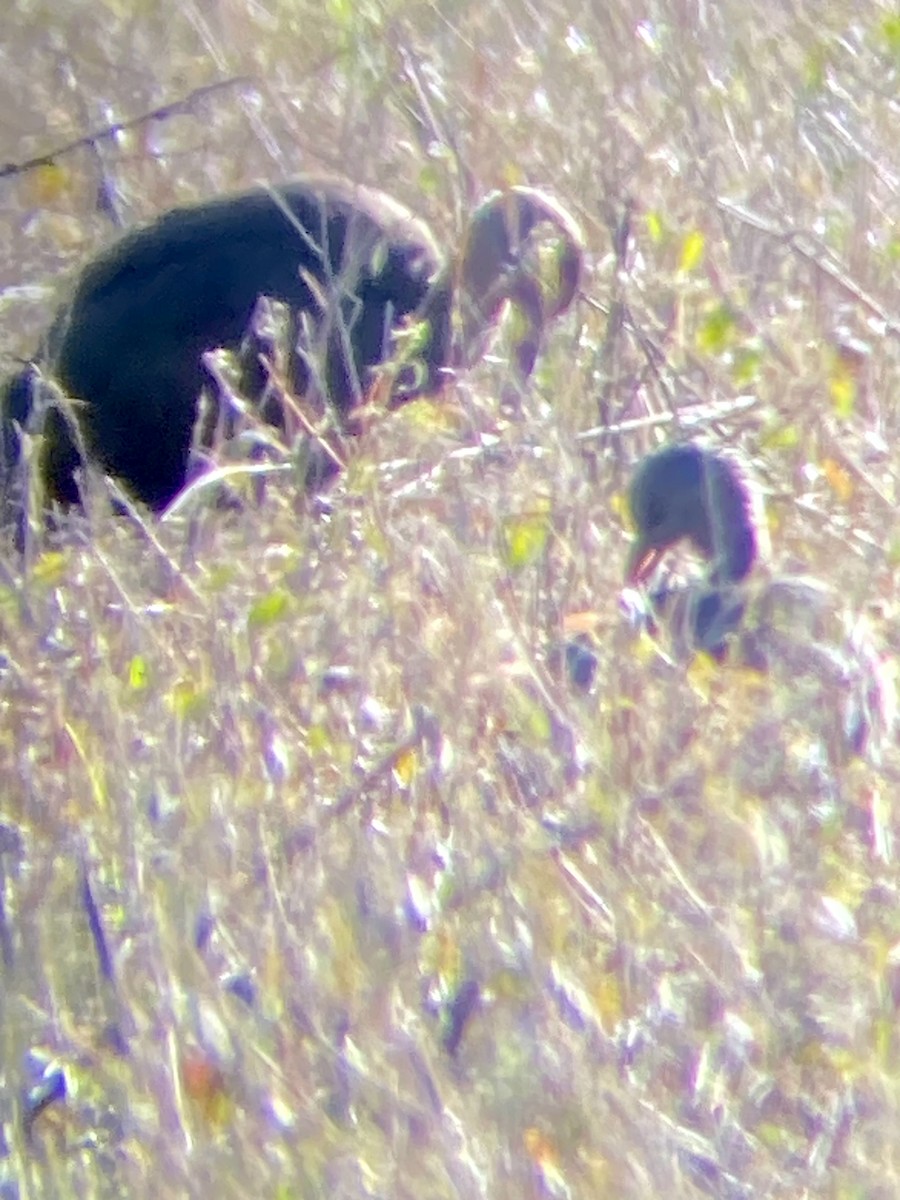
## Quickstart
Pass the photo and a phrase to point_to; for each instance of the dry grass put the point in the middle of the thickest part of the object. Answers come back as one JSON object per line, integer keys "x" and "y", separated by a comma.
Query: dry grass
{"x": 281, "y": 788}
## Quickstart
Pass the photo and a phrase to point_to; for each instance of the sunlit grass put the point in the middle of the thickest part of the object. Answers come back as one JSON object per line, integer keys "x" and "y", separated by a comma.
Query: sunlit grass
{"x": 319, "y": 877}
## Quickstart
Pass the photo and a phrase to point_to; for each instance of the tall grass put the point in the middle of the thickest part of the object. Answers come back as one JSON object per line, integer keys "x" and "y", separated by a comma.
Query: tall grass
{"x": 319, "y": 878}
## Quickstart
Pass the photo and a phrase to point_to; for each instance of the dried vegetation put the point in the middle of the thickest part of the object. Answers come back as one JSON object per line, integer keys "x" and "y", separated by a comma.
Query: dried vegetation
{"x": 318, "y": 876}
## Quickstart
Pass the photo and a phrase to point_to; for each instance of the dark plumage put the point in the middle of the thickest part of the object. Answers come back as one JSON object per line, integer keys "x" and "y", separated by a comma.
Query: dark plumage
{"x": 790, "y": 624}
{"x": 686, "y": 492}
{"x": 129, "y": 344}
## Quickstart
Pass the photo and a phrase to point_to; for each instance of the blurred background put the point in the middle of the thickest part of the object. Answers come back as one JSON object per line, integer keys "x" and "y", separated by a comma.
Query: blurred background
{"x": 320, "y": 875}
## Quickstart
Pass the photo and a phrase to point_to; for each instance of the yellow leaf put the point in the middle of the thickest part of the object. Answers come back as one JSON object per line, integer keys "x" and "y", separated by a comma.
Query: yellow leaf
{"x": 48, "y": 183}
{"x": 406, "y": 767}
{"x": 692, "y": 249}
{"x": 585, "y": 621}
{"x": 842, "y": 386}
{"x": 781, "y": 437}
{"x": 541, "y": 1150}
{"x": 345, "y": 962}
{"x": 318, "y": 740}
{"x": 511, "y": 175}
{"x": 186, "y": 698}
{"x": 883, "y": 1039}
{"x": 701, "y": 674}
{"x": 341, "y": 929}
{"x": 527, "y": 717}
{"x": 63, "y": 229}
{"x": 137, "y": 673}
{"x": 620, "y": 508}
{"x": 50, "y": 568}
{"x": 430, "y": 416}
{"x": 644, "y": 648}
{"x": 204, "y": 1082}
{"x": 544, "y": 1153}
{"x": 656, "y": 228}
{"x": 525, "y": 539}
{"x": 772, "y": 1134}
{"x": 838, "y": 479}
{"x": 441, "y": 956}
{"x": 610, "y": 1006}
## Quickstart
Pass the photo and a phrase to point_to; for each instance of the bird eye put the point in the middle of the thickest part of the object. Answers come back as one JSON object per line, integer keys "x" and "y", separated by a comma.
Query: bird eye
{"x": 655, "y": 514}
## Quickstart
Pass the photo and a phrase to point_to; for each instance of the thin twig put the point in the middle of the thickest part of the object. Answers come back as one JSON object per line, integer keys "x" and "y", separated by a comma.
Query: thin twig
{"x": 108, "y": 132}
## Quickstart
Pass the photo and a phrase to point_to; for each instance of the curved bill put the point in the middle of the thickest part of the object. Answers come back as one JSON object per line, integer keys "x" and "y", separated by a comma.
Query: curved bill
{"x": 642, "y": 562}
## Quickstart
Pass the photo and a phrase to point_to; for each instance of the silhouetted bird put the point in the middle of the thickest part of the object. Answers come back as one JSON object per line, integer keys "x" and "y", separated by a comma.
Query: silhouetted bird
{"x": 129, "y": 345}
{"x": 687, "y": 492}
{"x": 791, "y": 624}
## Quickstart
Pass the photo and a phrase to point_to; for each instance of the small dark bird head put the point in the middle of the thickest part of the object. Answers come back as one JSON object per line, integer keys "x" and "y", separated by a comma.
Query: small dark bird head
{"x": 687, "y": 492}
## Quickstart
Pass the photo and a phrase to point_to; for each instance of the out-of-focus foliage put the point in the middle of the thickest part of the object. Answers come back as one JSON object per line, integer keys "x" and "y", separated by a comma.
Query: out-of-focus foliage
{"x": 319, "y": 876}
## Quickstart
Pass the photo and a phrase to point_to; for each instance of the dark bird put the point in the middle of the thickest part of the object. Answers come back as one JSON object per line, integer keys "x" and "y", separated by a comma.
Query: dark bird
{"x": 352, "y": 265}
{"x": 736, "y": 611}
{"x": 685, "y": 492}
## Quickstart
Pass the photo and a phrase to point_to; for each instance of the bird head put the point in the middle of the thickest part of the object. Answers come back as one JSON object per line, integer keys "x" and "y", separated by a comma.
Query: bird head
{"x": 686, "y": 492}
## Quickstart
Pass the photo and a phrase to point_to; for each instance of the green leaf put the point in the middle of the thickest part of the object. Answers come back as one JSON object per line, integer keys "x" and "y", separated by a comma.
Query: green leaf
{"x": 220, "y": 575}
{"x": 318, "y": 740}
{"x": 890, "y": 33}
{"x": 430, "y": 179}
{"x": 747, "y": 366}
{"x": 815, "y": 69}
{"x": 269, "y": 609}
{"x": 717, "y": 330}
{"x": 342, "y": 12}
{"x": 187, "y": 698}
